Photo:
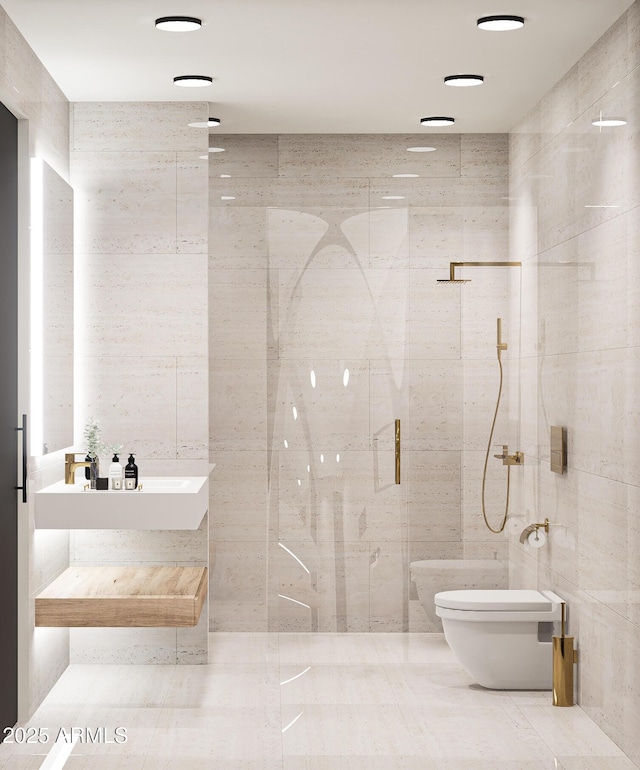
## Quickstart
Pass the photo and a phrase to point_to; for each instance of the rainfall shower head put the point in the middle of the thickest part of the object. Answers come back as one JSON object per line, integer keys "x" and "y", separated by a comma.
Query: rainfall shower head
{"x": 453, "y": 265}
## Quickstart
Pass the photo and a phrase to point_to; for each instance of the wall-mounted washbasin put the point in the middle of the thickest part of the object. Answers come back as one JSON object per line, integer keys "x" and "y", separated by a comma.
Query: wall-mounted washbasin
{"x": 162, "y": 503}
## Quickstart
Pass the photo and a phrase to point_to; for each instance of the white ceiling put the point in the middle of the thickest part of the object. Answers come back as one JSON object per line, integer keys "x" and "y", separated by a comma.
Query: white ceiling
{"x": 317, "y": 66}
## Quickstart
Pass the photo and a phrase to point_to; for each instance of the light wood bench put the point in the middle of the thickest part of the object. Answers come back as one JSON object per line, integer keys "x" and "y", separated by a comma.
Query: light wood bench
{"x": 108, "y": 596}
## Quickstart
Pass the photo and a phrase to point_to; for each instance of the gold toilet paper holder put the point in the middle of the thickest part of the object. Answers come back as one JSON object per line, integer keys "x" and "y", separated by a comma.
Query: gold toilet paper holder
{"x": 534, "y": 528}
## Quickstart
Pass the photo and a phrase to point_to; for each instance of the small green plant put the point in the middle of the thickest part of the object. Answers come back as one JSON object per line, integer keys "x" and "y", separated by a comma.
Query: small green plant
{"x": 92, "y": 435}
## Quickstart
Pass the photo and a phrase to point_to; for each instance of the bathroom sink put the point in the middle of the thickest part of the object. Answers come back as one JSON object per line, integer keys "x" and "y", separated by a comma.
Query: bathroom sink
{"x": 162, "y": 503}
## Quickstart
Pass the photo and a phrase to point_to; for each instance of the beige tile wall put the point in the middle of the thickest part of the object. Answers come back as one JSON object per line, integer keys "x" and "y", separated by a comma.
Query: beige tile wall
{"x": 580, "y": 363}
{"x": 141, "y": 194}
{"x": 312, "y": 269}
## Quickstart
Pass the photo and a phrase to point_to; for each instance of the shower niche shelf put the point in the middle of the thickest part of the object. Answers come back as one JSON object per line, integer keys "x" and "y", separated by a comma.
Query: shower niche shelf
{"x": 111, "y": 596}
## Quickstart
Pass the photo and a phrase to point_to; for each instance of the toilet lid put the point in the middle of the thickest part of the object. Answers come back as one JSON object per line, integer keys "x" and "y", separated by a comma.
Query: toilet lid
{"x": 481, "y": 600}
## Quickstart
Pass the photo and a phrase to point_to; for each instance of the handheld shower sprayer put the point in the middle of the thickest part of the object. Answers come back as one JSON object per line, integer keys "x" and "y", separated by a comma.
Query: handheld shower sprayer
{"x": 500, "y": 345}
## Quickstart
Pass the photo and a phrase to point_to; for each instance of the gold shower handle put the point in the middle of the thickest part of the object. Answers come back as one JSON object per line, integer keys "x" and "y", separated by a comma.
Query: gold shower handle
{"x": 398, "y": 451}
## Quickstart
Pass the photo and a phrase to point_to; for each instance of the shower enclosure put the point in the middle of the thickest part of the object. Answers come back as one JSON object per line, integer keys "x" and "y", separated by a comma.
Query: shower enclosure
{"x": 327, "y": 326}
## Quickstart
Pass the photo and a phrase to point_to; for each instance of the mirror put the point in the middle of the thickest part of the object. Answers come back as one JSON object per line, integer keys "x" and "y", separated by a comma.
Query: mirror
{"x": 51, "y": 310}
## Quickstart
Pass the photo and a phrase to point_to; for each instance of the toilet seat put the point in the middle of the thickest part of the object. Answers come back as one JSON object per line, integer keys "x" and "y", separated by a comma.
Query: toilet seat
{"x": 506, "y": 605}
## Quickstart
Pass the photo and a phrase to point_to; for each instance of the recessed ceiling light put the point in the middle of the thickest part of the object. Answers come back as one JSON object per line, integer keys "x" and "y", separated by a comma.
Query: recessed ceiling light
{"x": 501, "y": 23}
{"x": 227, "y": 197}
{"x": 178, "y": 23}
{"x": 405, "y": 176}
{"x": 437, "y": 121}
{"x": 463, "y": 80}
{"x": 193, "y": 81}
{"x": 225, "y": 176}
{"x": 604, "y": 121}
{"x": 393, "y": 197}
{"x": 421, "y": 149}
{"x": 211, "y": 123}
{"x": 216, "y": 149}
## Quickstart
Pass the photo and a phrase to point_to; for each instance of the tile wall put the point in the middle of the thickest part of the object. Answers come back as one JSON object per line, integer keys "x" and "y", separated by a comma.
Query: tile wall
{"x": 326, "y": 324}
{"x": 27, "y": 90}
{"x": 575, "y": 190}
{"x": 141, "y": 192}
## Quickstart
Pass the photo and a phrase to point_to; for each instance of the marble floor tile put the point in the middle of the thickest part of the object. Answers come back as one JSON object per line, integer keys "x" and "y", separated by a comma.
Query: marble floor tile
{"x": 313, "y": 701}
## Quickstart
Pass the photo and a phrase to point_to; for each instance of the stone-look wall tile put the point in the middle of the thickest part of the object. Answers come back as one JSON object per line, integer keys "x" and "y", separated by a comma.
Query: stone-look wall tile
{"x": 192, "y": 643}
{"x": 581, "y": 300}
{"x": 436, "y": 236}
{"x": 238, "y": 496}
{"x": 238, "y": 409}
{"x": 481, "y": 387}
{"x": 48, "y": 557}
{"x": 252, "y": 155}
{"x": 319, "y": 238}
{"x": 237, "y": 237}
{"x": 602, "y": 545}
{"x": 483, "y": 301}
{"x": 389, "y": 238}
{"x": 525, "y": 139}
{"x": 134, "y": 399}
{"x": 27, "y": 89}
{"x": 153, "y": 547}
{"x": 289, "y": 193}
{"x": 484, "y": 155}
{"x": 604, "y": 440}
{"x": 336, "y": 589}
{"x": 388, "y": 587}
{"x": 192, "y": 407}
{"x": 367, "y": 155}
{"x": 491, "y": 549}
{"x": 143, "y": 126}
{"x": 141, "y": 305}
{"x": 434, "y": 316}
{"x": 238, "y": 314}
{"x": 388, "y": 402}
{"x": 134, "y": 646}
{"x": 48, "y": 659}
{"x": 435, "y": 482}
{"x": 192, "y": 204}
{"x": 315, "y": 311}
{"x": 441, "y": 191}
{"x": 435, "y": 397}
{"x": 347, "y": 497}
{"x": 485, "y": 234}
{"x": 125, "y": 203}
{"x": 237, "y": 585}
{"x": 328, "y": 414}
{"x": 604, "y": 65}
{"x": 474, "y": 528}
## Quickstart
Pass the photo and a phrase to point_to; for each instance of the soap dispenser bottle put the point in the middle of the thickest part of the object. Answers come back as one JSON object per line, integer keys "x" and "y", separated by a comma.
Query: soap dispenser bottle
{"x": 115, "y": 473}
{"x": 131, "y": 474}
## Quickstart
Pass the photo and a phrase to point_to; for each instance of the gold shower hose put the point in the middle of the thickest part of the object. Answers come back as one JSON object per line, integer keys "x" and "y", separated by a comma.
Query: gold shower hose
{"x": 486, "y": 460}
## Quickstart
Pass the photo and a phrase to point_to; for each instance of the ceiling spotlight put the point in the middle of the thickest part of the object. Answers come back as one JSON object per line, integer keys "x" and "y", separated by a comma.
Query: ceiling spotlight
{"x": 437, "y": 121}
{"x": 421, "y": 149}
{"x": 178, "y": 23}
{"x": 464, "y": 80}
{"x": 405, "y": 176}
{"x": 501, "y": 23}
{"x": 216, "y": 149}
{"x": 193, "y": 81}
{"x": 211, "y": 123}
{"x": 604, "y": 121}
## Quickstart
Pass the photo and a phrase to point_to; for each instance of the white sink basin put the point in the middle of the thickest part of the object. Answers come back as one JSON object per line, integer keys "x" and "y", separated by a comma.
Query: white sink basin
{"x": 162, "y": 503}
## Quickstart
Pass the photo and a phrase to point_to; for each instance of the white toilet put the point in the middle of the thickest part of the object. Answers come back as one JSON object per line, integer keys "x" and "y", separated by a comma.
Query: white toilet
{"x": 502, "y": 638}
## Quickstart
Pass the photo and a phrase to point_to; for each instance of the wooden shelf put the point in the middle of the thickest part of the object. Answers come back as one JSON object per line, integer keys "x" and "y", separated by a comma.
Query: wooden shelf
{"x": 108, "y": 596}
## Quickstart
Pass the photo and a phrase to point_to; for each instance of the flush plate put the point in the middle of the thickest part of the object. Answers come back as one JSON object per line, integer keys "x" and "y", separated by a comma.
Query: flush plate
{"x": 162, "y": 503}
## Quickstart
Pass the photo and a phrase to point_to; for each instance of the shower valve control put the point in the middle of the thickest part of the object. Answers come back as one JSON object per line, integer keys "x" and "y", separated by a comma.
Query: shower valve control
{"x": 507, "y": 459}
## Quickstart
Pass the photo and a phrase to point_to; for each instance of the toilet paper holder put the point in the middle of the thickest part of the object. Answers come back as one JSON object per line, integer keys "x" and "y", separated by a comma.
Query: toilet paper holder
{"x": 534, "y": 528}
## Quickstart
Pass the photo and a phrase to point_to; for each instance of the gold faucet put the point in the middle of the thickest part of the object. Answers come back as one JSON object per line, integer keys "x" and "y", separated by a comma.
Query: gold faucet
{"x": 70, "y": 466}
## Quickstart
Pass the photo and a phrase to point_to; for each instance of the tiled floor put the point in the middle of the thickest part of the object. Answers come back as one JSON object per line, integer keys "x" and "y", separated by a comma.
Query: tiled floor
{"x": 312, "y": 702}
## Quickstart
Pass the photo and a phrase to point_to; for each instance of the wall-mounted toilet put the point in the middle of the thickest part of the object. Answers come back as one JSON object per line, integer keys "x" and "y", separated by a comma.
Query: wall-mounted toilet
{"x": 433, "y": 575}
{"x": 502, "y": 638}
